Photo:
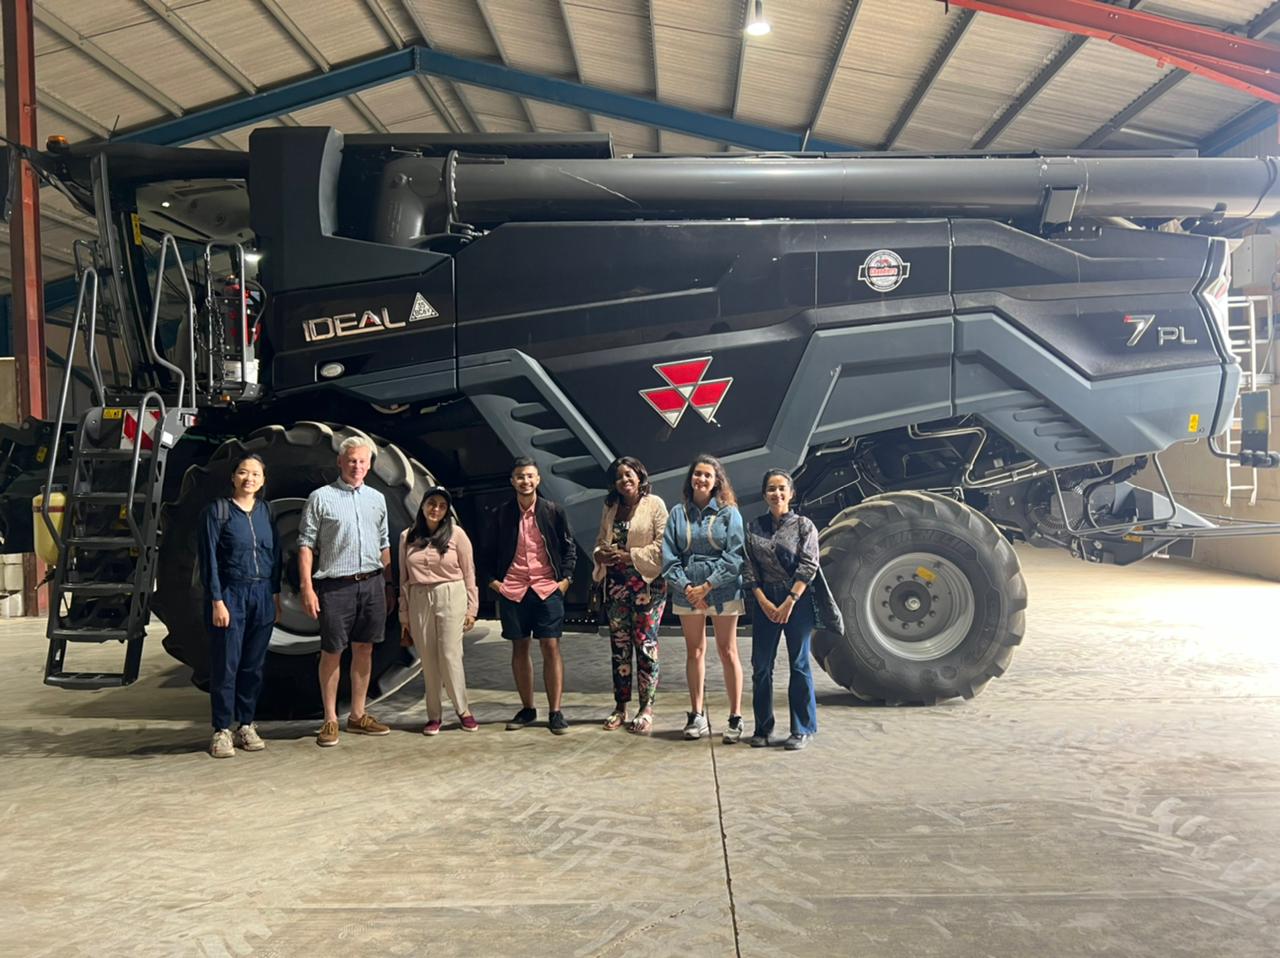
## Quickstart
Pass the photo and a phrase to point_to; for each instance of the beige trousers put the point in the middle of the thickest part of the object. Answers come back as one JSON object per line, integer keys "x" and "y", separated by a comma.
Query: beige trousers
{"x": 436, "y": 614}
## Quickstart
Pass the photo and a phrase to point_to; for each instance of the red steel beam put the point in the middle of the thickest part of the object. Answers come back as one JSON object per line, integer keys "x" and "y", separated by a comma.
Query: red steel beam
{"x": 27, "y": 313}
{"x": 1249, "y": 65}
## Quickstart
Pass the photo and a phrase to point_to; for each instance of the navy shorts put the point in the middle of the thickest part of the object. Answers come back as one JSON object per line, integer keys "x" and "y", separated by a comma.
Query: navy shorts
{"x": 351, "y": 611}
{"x": 532, "y": 616}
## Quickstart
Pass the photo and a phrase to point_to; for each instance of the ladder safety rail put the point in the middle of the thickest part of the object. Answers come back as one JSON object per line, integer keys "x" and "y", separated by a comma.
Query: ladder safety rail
{"x": 167, "y": 243}
{"x": 88, "y": 287}
{"x": 137, "y": 456}
{"x": 239, "y": 261}
{"x": 1242, "y": 340}
{"x": 91, "y": 335}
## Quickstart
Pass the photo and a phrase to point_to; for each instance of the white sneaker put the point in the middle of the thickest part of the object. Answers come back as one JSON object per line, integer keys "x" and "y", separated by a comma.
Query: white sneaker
{"x": 733, "y": 730}
{"x": 222, "y": 746}
{"x": 247, "y": 738}
{"x": 697, "y": 726}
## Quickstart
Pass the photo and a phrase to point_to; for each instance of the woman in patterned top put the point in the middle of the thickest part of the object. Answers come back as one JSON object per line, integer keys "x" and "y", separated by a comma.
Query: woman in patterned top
{"x": 702, "y": 561}
{"x": 782, "y": 562}
{"x": 628, "y": 564}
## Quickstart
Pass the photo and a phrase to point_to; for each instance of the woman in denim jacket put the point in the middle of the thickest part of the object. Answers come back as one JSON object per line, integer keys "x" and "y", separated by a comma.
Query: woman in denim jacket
{"x": 702, "y": 559}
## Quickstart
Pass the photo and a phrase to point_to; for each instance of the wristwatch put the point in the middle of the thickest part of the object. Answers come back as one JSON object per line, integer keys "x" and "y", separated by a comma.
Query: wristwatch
{"x": 793, "y": 597}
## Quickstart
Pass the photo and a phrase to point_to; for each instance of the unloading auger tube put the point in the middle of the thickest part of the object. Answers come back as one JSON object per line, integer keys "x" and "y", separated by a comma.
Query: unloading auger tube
{"x": 488, "y": 191}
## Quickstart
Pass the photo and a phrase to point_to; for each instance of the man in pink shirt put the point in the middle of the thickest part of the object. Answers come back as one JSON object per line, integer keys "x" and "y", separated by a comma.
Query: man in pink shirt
{"x": 529, "y": 560}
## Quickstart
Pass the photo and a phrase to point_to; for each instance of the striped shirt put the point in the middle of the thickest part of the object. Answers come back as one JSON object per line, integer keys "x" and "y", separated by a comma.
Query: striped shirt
{"x": 350, "y": 525}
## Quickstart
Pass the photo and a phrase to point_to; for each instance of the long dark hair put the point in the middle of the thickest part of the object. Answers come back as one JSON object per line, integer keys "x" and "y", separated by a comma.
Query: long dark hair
{"x": 722, "y": 491}
{"x": 770, "y": 474}
{"x": 254, "y": 457}
{"x": 421, "y": 534}
{"x": 636, "y": 466}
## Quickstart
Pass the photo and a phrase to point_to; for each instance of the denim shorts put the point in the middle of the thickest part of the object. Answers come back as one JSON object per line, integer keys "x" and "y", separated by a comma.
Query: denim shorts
{"x": 532, "y": 616}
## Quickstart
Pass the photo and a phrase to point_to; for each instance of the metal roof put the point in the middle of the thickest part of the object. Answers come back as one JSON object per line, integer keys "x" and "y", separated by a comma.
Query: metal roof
{"x": 870, "y": 74}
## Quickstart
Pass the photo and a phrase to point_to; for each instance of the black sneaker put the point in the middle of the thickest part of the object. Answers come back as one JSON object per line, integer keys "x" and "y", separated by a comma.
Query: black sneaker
{"x": 796, "y": 742}
{"x": 557, "y": 724}
{"x": 522, "y": 718}
{"x": 758, "y": 741}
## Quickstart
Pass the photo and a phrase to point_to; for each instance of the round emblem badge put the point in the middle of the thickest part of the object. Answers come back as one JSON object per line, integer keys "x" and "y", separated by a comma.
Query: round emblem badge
{"x": 884, "y": 270}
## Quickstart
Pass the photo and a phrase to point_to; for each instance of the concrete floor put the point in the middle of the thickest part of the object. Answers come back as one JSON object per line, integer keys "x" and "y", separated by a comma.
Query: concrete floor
{"x": 1116, "y": 793}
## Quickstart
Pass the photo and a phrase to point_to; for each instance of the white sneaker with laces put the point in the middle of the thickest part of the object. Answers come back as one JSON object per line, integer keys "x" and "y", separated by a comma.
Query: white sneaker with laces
{"x": 221, "y": 746}
{"x": 697, "y": 726}
{"x": 733, "y": 730}
{"x": 247, "y": 738}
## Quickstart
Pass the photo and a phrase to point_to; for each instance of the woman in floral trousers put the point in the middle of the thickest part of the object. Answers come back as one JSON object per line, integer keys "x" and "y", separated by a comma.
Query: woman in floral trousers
{"x": 628, "y": 566}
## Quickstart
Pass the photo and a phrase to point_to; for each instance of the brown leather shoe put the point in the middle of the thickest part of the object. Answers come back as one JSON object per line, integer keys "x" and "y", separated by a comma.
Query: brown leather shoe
{"x": 366, "y": 725}
{"x": 328, "y": 735}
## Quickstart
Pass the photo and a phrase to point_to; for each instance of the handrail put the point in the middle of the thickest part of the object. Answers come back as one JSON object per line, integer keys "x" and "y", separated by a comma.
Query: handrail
{"x": 137, "y": 456}
{"x": 89, "y": 278}
{"x": 240, "y": 263}
{"x": 91, "y": 334}
{"x": 165, "y": 243}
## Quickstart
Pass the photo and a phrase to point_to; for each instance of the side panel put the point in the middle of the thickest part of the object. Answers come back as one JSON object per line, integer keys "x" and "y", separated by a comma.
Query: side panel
{"x": 673, "y": 339}
{"x": 393, "y": 339}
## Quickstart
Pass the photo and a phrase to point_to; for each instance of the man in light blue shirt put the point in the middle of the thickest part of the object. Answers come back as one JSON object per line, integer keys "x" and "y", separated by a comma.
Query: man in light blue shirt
{"x": 344, "y": 562}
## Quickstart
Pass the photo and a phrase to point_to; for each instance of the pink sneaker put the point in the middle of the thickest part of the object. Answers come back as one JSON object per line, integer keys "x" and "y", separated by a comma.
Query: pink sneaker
{"x": 469, "y": 723}
{"x": 431, "y": 728}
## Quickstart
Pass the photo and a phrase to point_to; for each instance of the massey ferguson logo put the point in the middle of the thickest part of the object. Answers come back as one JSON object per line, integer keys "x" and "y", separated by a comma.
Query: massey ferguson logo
{"x": 688, "y": 386}
{"x": 884, "y": 271}
{"x": 370, "y": 321}
{"x": 1164, "y": 334}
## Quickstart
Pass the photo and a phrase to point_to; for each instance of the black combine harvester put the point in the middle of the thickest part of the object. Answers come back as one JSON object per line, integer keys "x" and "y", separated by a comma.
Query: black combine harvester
{"x": 951, "y": 352}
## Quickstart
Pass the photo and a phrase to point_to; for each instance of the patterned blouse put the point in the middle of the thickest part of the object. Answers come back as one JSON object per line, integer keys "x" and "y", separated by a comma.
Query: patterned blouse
{"x": 780, "y": 552}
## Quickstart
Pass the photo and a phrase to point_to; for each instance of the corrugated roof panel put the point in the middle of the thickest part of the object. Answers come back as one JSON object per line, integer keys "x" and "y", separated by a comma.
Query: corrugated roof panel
{"x": 783, "y": 72}
{"x": 456, "y": 26}
{"x": 1266, "y": 143}
{"x": 533, "y": 35}
{"x": 336, "y": 113}
{"x": 47, "y": 41}
{"x": 98, "y": 18}
{"x": 340, "y": 29}
{"x": 166, "y": 61}
{"x": 627, "y": 137}
{"x": 698, "y": 47}
{"x": 612, "y": 37}
{"x": 679, "y": 143}
{"x": 996, "y": 58}
{"x": 892, "y": 45}
{"x": 397, "y": 102}
{"x": 49, "y": 122}
{"x": 1096, "y": 84}
{"x": 497, "y": 112}
{"x": 75, "y": 78}
{"x": 1196, "y": 107}
{"x": 558, "y": 119}
{"x": 250, "y": 38}
{"x": 1209, "y": 13}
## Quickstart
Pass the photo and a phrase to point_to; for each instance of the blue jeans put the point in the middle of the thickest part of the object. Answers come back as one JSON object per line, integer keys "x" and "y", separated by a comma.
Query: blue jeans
{"x": 237, "y": 653}
{"x": 765, "y": 636}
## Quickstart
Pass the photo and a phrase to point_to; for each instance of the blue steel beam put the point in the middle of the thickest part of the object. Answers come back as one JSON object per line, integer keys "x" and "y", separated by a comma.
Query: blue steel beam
{"x": 388, "y": 67}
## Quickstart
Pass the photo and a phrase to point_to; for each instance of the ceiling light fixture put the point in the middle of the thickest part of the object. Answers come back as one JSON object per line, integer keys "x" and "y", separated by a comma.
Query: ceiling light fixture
{"x": 758, "y": 26}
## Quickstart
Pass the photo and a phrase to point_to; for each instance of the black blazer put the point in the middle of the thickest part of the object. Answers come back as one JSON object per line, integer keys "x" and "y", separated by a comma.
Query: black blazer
{"x": 504, "y": 530}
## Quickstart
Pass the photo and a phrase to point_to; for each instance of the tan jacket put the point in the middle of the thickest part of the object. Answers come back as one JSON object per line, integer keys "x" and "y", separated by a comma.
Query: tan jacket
{"x": 644, "y": 538}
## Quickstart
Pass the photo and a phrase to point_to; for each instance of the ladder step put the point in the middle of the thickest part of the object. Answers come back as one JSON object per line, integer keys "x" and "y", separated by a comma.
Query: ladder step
{"x": 102, "y": 542}
{"x": 119, "y": 497}
{"x": 88, "y": 680}
{"x": 98, "y": 588}
{"x": 89, "y": 635}
{"x": 117, "y": 455}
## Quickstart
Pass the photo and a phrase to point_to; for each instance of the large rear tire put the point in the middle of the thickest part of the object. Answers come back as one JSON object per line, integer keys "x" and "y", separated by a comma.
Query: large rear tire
{"x": 932, "y": 596}
{"x": 298, "y": 460}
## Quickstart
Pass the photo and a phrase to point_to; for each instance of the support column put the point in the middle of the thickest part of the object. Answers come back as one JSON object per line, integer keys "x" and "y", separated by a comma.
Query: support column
{"x": 27, "y": 305}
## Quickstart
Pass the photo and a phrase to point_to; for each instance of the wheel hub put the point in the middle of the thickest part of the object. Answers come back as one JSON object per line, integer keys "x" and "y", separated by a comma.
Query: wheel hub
{"x": 920, "y": 606}
{"x": 296, "y": 633}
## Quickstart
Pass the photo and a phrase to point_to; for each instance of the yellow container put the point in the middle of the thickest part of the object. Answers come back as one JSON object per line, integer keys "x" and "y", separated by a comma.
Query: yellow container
{"x": 46, "y": 548}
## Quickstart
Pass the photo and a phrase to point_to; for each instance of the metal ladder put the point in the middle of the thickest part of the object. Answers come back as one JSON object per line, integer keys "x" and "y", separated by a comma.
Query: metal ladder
{"x": 109, "y": 543}
{"x": 1242, "y": 338}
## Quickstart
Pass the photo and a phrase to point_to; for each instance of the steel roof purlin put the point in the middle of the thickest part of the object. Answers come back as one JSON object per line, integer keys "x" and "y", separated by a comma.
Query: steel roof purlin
{"x": 846, "y": 31}
{"x": 386, "y": 67}
{"x": 389, "y": 30}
